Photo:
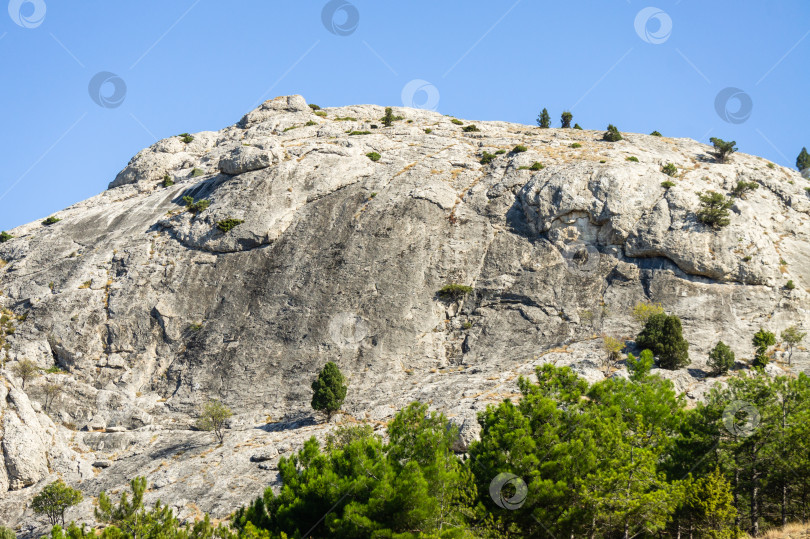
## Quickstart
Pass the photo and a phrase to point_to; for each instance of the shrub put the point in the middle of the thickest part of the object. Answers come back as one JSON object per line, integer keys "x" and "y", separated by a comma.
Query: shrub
{"x": 669, "y": 169}
{"x": 803, "y": 160}
{"x": 195, "y": 207}
{"x": 457, "y": 122}
{"x": 721, "y": 359}
{"x": 353, "y": 133}
{"x": 24, "y": 370}
{"x": 743, "y": 188}
{"x": 656, "y": 134}
{"x": 185, "y": 137}
{"x": 714, "y": 209}
{"x": 54, "y": 500}
{"x": 487, "y": 158}
{"x": 762, "y": 340}
{"x": 577, "y": 126}
{"x": 632, "y": 159}
{"x": 51, "y": 220}
{"x": 470, "y": 128}
{"x": 575, "y": 145}
{"x": 668, "y": 184}
{"x": 454, "y": 291}
{"x": 374, "y": 156}
{"x": 722, "y": 149}
{"x": 544, "y": 120}
{"x": 612, "y": 134}
{"x": 537, "y": 166}
{"x": 5, "y": 236}
{"x": 663, "y": 335}
{"x": 7, "y": 533}
{"x": 329, "y": 390}
{"x": 613, "y": 348}
{"x": 50, "y": 393}
{"x": 519, "y": 149}
{"x": 345, "y": 119}
{"x": 213, "y": 417}
{"x": 226, "y": 225}
{"x": 771, "y": 165}
{"x": 290, "y": 128}
{"x": 500, "y": 152}
{"x": 167, "y": 181}
{"x": 313, "y": 106}
{"x": 428, "y": 130}
{"x": 196, "y": 172}
{"x": 790, "y": 285}
{"x": 321, "y": 113}
{"x": 565, "y": 119}
{"x": 643, "y": 311}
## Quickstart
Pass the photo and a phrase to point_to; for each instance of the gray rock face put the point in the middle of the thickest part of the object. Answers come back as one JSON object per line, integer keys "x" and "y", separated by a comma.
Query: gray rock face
{"x": 152, "y": 309}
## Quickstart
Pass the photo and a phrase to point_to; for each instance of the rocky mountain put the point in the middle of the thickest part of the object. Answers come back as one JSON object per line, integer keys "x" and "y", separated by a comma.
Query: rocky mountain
{"x": 142, "y": 305}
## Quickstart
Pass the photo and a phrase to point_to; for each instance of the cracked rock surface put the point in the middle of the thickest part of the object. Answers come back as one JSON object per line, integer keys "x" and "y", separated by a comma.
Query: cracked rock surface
{"x": 147, "y": 309}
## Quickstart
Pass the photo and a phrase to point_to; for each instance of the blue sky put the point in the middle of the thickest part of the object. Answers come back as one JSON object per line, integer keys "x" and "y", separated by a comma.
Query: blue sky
{"x": 192, "y": 65}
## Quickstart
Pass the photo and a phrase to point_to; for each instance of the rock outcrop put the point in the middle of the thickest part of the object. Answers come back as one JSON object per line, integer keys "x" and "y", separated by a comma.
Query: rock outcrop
{"x": 148, "y": 309}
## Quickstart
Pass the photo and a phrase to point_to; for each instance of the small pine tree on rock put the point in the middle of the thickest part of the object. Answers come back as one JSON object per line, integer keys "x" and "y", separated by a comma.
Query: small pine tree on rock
{"x": 566, "y": 118}
{"x": 721, "y": 359}
{"x": 714, "y": 209}
{"x": 612, "y": 134}
{"x": 762, "y": 341}
{"x": 544, "y": 120}
{"x": 329, "y": 390}
{"x": 54, "y": 500}
{"x": 663, "y": 335}
{"x": 803, "y": 160}
{"x": 722, "y": 149}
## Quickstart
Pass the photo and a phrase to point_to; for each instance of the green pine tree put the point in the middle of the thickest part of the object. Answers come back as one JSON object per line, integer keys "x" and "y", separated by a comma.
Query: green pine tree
{"x": 566, "y": 118}
{"x": 663, "y": 335}
{"x": 329, "y": 390}
{"x": 803, "y": 160}
{"x": 544, "y": 119}
{"x": 762, "y": 340}
{"x": 721, "y": 358}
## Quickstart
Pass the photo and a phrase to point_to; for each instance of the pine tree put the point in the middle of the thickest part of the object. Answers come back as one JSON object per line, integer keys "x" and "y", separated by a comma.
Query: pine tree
{"x": 792, "y": 336}
{"x": 640, "y": 367}
{"x": 803, "y": 160}
{"x": 388, "y": 119}
{"x": 663, "y": 335}
{"x": 762, "y": 341}
{"x": 544, "y": 119}
{"x": 722, "y": 149}
{"x": 566, "y": 118}
{"x": 612, "y": 134}
{"x": 54, "y": 500}
{"x": 329, "y": 390}
{"x": 721, "y": 358}
{"x": 714, "y": 209}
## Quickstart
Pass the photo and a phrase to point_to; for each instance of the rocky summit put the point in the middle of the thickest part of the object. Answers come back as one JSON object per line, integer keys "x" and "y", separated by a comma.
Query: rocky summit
{"x": 234, "y": 264}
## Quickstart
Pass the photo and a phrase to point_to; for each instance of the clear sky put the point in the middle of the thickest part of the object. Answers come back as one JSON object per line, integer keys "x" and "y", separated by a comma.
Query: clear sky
{"x": 191, "y": 65}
